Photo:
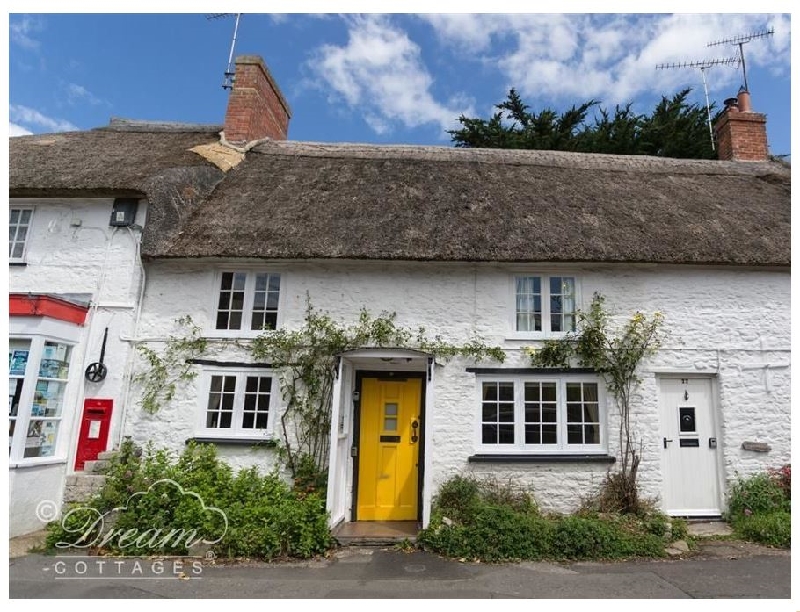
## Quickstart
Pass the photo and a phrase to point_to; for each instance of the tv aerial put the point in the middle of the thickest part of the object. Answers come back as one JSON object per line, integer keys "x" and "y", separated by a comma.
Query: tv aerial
{"x": 227, "y": 83}
{"x": 741, "y": 41}
{"x": 704, "y": 65}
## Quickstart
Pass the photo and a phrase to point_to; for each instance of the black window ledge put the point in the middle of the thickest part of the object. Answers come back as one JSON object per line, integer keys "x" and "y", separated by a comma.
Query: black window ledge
{"x": 232, "y": 441}
{"x": 542, "y": 459}
{"x": 17, "y": 263}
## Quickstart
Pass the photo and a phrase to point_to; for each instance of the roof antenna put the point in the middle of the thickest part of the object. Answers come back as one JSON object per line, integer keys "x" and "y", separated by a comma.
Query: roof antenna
{"x": 741, "y": 41}
{"x": 229, "y": 72}
{"x": 704, "y": 65}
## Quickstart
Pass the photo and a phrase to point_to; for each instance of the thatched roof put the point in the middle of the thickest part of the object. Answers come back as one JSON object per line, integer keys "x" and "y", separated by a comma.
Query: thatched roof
{"x": 290, "y": 200}
{"x": 307, "y": 200}
{"x": 125, "y": 158}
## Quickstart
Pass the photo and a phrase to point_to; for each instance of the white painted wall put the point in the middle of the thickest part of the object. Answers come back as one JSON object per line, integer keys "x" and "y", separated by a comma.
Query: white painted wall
{"x": 72, "y": 249}
{"x": 733, "y": 324}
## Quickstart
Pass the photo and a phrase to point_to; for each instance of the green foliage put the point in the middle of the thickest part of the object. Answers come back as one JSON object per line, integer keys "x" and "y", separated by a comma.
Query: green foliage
{"x": 263, "y": 516}
{"x": 308, "y": 358}
{"x": 491, "y": 521}
{"x": 772, "y": 528}
{"x": 617, "y": 358}
{"x": 758, "y": 494}
{"x": 166, "y": 370}
{"x": 759, "y": 507}
{"x": 675, "y": 128}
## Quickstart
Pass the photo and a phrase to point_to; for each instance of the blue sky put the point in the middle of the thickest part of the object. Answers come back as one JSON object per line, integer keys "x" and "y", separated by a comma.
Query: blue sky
{"x": 380, "y": 78}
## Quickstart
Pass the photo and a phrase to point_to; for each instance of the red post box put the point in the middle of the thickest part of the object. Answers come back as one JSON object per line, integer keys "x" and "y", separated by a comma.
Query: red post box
{"x": 93, "y": 434}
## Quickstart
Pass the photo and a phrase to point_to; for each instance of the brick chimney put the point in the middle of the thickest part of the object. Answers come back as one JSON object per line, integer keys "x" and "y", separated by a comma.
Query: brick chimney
{"x": 256, "y": 107}
{"x": 741, "y": 134}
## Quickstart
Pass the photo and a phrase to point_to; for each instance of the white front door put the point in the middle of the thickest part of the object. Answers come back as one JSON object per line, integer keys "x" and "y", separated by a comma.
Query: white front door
{"x": 689, "y": 447}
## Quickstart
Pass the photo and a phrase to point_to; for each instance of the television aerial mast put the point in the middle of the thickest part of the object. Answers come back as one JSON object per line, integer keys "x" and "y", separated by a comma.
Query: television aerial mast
{"x": 741, "y": 41}
{"x": 227, "y": 83}
{"x": 704, "y": 65}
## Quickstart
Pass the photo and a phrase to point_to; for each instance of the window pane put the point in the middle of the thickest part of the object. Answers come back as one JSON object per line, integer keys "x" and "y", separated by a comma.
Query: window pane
{"x": 230, "y": 384}
{"x": 489, "y": 433}
{"x": 40, "y": 440}
{"x": 235, "y": 321}
{"x": 26, "y": 216}
{"x": 574, "y": 413}
{"x": 227, "y": 402}
{"x": 227, "y": 281}
{"x": 261, "y": 283}
{"x": 13, "y": 216}
{"x": 531, "y": 392}
{"x": 549, "y": 413}
{"x": 225, "y": 418}
{"x": 549, "y": 435}
{"x": 17, "y": 251}
{"x": 549, "y": 392}
{"x": 555, "y": 304}
{"x": 237, "y": 300}
{"x": 490, "y": 391}
{"x": 390, "y": 424}
{"x": 222, "y": 320}
{"x": 532, "y": 434}
{"x": 239, "y": 280}
{"x": 506, "y": 413}
{"x": 573, "y": 392}
{"x": 555, "y": 285}
{"x": 212, "y": 420}
{"x": 247, "y": 420}
{"x": 272, "y": 300}
{"x": 592, "y": 434}
{"x": 251, "y": 385}
{"x": 591, "y": 413}
{"x": 506, "y": 434}
{"x": 574, "y": 434}
{"x": 275, "y": 282}
{"x": 555, "y": 323}
{"x": 590, "y": 392}
{"x": 390, "y": 409}
{"x": 261, "y": 420}
{"x": 22, "y": 233}
{"x": 506, "y": 391}
{"x": 489, "y": 412}
{"x": 533, "y": 413}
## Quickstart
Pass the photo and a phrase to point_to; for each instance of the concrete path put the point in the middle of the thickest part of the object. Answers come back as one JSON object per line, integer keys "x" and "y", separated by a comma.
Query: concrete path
{"x": 721, "y": 569}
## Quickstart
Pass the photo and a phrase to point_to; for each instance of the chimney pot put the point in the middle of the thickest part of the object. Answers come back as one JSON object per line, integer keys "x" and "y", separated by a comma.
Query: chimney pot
{"x": 745, "y": 105}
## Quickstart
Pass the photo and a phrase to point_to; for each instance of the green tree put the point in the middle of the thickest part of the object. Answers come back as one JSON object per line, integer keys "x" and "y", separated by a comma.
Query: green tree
{"x": 675, "y": 128}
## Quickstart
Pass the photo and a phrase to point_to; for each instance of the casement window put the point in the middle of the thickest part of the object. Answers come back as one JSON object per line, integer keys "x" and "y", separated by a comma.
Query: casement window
{"x": 544, "y": 304}
{"x": 541, "y": 414}
{"x": 248, "y": 301}
{"x": 19, "y": 223}
{"x": 237, "y": 403}
{"x": 38, "y": 369}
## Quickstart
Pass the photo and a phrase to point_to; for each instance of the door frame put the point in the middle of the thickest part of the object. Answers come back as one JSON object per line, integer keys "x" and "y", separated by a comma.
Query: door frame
{"x": 397, "y": 375}
{"x": 715, "y": 414}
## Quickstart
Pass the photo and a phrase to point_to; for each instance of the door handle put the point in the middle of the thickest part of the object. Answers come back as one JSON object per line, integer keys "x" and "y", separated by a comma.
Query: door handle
{"x": 666, "y": 441}
{"x": 414, "y": 426}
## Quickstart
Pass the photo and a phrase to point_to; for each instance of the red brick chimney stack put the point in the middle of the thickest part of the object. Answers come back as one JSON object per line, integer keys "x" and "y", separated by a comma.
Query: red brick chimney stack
{"x": 256, "y": 107}
{"x": 741, "y": 134}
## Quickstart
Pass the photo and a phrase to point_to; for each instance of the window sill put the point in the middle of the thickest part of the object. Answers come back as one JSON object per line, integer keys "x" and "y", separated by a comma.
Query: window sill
{"x": 18, "y": 263}
{"x": 551, "y": 458}
{"x": 233, "y": 441}
{"x": 32, "y": 463}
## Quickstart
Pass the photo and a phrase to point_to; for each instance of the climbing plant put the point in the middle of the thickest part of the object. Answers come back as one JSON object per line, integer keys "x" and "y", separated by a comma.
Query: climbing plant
{"x": 307, "y": 359}
{"x": 616, "y": 357}
{"x": 170, "y": 367}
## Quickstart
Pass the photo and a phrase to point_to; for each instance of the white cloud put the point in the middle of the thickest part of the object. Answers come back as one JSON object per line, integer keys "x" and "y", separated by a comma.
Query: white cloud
{"x": 32, "y": 118}
{"x": 611, "y": 57}
{"x": 380, "y": 73}
{"x": 21, "y": 31}
{"x": 78, "y": 94}
{"x": 17, "y": 130}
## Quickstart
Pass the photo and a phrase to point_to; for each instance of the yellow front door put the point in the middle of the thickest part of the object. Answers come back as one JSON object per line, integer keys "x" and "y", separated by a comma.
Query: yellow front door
{"x": 389, "y": 450}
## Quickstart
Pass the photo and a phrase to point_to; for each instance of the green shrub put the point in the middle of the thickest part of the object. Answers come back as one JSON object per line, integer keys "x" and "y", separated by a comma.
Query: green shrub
{"x": 759, "y": 494}
{"x": 772, "y": 529}
{"x": 261, "y": 515}
{"x": 491, "y": 521}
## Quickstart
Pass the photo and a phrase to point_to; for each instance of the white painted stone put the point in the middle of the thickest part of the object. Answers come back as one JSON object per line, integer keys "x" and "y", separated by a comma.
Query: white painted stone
{"x": 730, "y": 323}
{"x": 72, "y": 249}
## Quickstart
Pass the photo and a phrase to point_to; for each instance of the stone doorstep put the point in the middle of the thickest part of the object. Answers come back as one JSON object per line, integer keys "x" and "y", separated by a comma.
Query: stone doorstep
{"x": 707, "y": 529}
{"x": 106, "y": 455}
{"x": 95, "y": 466}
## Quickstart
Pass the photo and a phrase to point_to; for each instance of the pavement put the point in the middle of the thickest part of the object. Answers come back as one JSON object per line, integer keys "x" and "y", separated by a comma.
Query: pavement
{"x": 718, "y": 569}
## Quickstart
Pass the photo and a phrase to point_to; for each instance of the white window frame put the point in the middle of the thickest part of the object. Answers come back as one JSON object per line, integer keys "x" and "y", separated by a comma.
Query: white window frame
{"x": 24, "y": 411}
{"x": 26, "y": 242}
{"x": 519, "y": 447}
{"x": 236, "y": 431}
{"x": 545, "y": 333}
{"x": 249, "y": 296}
